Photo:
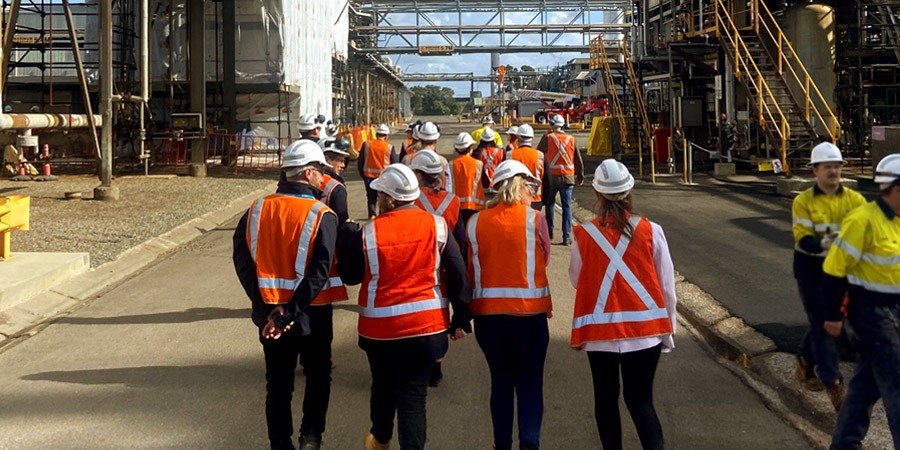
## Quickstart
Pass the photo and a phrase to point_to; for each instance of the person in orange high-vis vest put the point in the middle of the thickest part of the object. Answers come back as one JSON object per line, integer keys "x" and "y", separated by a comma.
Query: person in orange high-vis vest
{"x": 512, "y": 139}
{"x": 428, "y": 167}
{"x": 566, "y": 171}
{"x": 509, "y": 250}
{"x": 465, "y": 177}
{"x": 404, "y": 318}
{"x": 491, "y": 156}
{"x": 535, "y": 162}
{"x": 625, "y": 317}
{"x": 428, "y": 134}
{"x": 334, "y": 194}
{"x": 412, "y": 143}
{"x": 374, "y": 156}
{"x": 283, "y": 249}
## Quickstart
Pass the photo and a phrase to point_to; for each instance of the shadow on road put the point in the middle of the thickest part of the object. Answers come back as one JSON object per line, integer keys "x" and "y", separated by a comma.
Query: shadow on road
{"x": 150, "y": 376}
{"x": 187, "y": 316}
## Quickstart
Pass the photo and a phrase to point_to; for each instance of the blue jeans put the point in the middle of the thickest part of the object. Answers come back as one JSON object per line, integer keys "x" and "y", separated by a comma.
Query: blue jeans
{"x": 515, "y": 348}
{"x": 874, "y": 332}
{"x": 817, "y": 347}
{"x": 565, "y": 197}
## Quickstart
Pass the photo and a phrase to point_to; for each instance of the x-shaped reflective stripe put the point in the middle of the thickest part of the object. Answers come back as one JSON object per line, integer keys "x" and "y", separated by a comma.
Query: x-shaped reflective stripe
{"x": 617, "y": 266}
{"x": 439, "y": 211}
{"x": 560, "y": 153}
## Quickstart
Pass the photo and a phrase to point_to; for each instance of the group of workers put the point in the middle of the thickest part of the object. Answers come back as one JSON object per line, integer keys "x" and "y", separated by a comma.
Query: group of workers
{"x": 847, "y": 267}
{"x": 467, "y": 233}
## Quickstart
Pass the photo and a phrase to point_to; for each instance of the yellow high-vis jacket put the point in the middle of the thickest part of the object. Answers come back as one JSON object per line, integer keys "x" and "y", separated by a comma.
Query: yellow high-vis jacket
{"x": 498, "y": 141}
{"x": 817, "y": 215}
{"x": 867, "y": 255}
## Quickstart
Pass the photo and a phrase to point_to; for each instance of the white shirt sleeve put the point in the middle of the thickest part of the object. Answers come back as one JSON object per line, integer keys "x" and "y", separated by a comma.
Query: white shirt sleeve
{"x": 665, "y": 272}
{"x": 574, "y": 263}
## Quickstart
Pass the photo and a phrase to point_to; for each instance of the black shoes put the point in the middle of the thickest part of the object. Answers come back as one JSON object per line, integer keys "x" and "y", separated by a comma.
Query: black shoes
{"x": 436, "y": 375}
{"x": 310, "y": 442}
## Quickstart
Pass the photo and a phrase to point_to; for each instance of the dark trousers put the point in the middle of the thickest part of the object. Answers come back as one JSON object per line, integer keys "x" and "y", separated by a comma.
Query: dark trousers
{"x": 515, "y": 348}
{"x": 638, "y": 371}
{"x": 371, "y": 196}
{"x": 817, "y": 347}
{"x": 875, "y": 331}
{"x": 314, "y": 351}
{"x": 400, "y": 370}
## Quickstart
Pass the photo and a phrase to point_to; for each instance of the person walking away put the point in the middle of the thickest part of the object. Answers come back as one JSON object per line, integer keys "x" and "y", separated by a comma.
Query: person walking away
{"x": 535, "y": 161}
{"x": 817, "y": 215}
{"x": 374, "y": 156}
{"x": 566, "y": 171}
{"x": 428, "y": 167}
{"x": 491, "y": 156}
{"x": 411, "y": 140}
{"x": 512, "y": 139}
{"x": 508, "y": 255}
{"x": 465, "y": 177}
{"x": 283, "y": 248}
{"x": 864, "y": 263}
{"x": 404, "y": 321}
{"x": 626, "y": 317}
{"x": 311, "y": 127}
{"x": 334, "y": 194}
{"x": 487, "y": 123}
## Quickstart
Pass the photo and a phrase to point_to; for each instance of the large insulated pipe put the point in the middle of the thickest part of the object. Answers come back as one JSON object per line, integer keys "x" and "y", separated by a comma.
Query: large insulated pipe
{"x": 145, "y": 78}
{"x": 46, "y": 121}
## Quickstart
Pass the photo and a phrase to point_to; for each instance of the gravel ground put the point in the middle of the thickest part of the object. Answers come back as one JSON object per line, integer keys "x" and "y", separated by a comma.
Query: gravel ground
{"x": 148, "y": 207}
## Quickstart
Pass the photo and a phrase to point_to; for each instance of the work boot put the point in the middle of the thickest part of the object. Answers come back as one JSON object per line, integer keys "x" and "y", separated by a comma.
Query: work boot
{"x": 567, "y": 242}
{"x": 372, "y": 444}
{"x": 436, "y": 375}
{"x": 836, "y": 394}
{"x": 807, "y": 376}
{"x": 310, "y": 442}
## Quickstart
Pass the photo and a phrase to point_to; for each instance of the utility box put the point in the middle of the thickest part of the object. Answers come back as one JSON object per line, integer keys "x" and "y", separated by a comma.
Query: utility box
{"x": 884, "y": 142}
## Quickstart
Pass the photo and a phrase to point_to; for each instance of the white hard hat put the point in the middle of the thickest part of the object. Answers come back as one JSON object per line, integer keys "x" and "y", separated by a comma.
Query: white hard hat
{"x": 888, "y": 169}
{"x": 825, "y": 152}
{"x": 308, "y": 122}
{"x": 510, "y": 168}
{"x": 513, "y": 130}
{"x": 427, "y": 161}
{"x": 488, "y": 119}
{"x": 463, "y": 141}
{"x": 302, "y": 153}
{"x": 612, "y": 177}
{"x": 429, "y": 132}
{"x": 330, "y": 144}
{"x": 398, "y": 182}
{"x": 557, "y": 121}
{"x": 487, "y": 135}
{"x": 383, "y": 129}
{"x": 525, "y": 131}
{"x": 415, "y": 132}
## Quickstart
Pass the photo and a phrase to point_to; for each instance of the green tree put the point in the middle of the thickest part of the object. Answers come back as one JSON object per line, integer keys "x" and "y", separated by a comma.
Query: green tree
{"x": 434, "y": 100}
{"x": 527, "y": 68}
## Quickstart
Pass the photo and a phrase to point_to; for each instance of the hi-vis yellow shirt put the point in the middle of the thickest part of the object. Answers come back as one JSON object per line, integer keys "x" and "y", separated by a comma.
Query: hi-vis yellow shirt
{"x": 816, "y": 214}
{"x": 867, "y": 251}
{"x": 498, "y": 141}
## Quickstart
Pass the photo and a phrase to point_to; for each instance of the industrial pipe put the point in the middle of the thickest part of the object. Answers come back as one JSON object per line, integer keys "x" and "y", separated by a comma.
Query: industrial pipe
{"x": 46, "y": 121}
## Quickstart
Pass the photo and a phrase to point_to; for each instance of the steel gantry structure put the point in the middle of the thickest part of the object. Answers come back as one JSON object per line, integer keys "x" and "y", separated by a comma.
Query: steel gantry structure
{"x": 421, "y": 26}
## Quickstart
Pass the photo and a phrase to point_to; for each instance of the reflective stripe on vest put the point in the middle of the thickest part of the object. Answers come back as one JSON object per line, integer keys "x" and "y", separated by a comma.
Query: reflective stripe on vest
{"x": 560, "y": 150}
{"x": 425, "y": 203}
{"x": 491, "y": 160}
{"x": 470, "y": 199}
{"x": 307, "y": 235}
{"x": 532, "y": 291}
{"x": 437, "y": 302}
{"x": 617, "y": 266}
{"x": 374, "y": 165}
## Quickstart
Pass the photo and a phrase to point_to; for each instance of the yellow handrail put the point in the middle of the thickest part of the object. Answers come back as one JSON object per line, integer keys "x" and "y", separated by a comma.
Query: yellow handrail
{"x": 636, "y": 91}
{"x": 611, "y": 89}
{"x": 755, "y": 77}
{"x": 832, "y": 125}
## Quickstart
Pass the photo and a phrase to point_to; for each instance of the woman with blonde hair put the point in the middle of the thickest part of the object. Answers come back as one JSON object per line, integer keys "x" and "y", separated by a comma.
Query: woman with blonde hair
{"x": 626, "y": 317}
{"x": 509, "y": 249}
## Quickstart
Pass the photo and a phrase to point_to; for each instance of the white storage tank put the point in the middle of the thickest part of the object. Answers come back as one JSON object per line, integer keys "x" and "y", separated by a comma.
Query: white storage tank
{"x": 810, "y": 28}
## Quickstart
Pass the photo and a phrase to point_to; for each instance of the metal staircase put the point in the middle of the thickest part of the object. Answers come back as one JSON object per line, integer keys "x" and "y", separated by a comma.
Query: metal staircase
{"x": 624, "y": 111}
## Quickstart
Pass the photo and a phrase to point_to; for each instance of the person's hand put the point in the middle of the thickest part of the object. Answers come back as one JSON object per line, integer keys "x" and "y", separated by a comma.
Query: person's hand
{"x": 549, "y": 314}
{"x": 833, "y": 328}
{"x": 458, "y": 334}
{"x": 579, "y": 180}
{"x": 827, "y": 240}
{"x": 271, "y": 330}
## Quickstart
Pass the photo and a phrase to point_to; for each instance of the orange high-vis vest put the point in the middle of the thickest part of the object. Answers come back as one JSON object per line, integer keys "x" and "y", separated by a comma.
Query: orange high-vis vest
{"x": 407, "y": 158}
{"x": 440, "y": 203}
{"x": 561, "y": 152}
{"x": 506, "y": 264}
{"x": 377, "y": 158}
{"x": 465, "y": 182}
{"x": 626, "y": 302}
{"x": 281, "y": 230}
{"x": 400, "y": 294}
{"x": 491, "y": 157}
{"x": 534, "y": 161}
{"x": 334, "y": 291}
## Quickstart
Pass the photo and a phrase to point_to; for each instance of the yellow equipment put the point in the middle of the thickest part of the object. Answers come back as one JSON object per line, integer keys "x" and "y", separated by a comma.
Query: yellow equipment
{"x": 13, "y": 216}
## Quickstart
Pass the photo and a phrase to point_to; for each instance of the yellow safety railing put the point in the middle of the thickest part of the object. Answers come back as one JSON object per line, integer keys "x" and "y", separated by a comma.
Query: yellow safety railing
{"x": 812, "y": 102}
{"x": 617, "y": 111}
{"x": 636, "y": 91}
{"x": 745, "y": 68}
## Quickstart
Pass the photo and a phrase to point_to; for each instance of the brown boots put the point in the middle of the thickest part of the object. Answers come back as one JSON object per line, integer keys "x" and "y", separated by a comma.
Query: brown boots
{"x": 807, "y": 376}
{"x": 372, "y": 444}
{"x": 836, "y": 394}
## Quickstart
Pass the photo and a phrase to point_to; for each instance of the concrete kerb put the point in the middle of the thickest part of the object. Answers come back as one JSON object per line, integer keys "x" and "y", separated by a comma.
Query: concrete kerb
{"x": 27, "y": 318}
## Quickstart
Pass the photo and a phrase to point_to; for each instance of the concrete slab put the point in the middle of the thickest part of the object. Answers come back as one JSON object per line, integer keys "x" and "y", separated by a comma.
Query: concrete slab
{"x": 700, "y": 308}
{"x": 28, "y": 274}
{"x": 47, "y": 304}
{"x": 743, "y": 337}
{"x": 721, "y": 170}
{"x": 95, "y": 281}
{"x": 14, "y": 320}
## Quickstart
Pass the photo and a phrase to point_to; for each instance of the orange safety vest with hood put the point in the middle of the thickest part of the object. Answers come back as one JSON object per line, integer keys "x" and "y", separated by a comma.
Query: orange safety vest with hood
{"x": 281, "y": 230}
{"x": 506, "y": 265}
{"x": 626, "y": 302}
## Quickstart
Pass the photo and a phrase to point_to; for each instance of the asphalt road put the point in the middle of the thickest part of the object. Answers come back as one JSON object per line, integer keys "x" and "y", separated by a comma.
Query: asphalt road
{"x": 170, "y": 359}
